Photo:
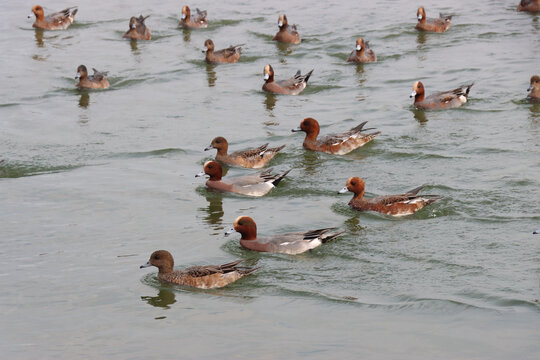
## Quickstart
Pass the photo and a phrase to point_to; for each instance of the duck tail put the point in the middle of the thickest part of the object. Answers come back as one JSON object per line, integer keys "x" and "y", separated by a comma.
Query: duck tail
{"x": 415, "y": 190}
{"x": 276, "y": 181}
{"x": 331, "y": 237}
{"x": 247, "y": 271}
{"x": 306, "y": 77}
{"x": 468, "y": 88}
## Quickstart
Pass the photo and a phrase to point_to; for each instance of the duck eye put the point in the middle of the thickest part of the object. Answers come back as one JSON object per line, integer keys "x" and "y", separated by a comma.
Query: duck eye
{"x": 156, "y": 257}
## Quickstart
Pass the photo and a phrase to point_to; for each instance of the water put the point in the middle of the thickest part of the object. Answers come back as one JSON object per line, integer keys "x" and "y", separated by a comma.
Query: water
{"x": 92, "y": 182}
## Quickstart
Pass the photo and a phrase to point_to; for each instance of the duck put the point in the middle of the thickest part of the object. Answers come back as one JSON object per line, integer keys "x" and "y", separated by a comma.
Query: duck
{"x": 250, "y": 158}
{"x": 60, "y": 20}
{"x": 289, "y": 243}
{"x": 228, "y": 55}
{"x": 440, "y": 24}
{"x": 138, "y": 29}
{"x": 286, "y": 33}
{"x": 441, "y": 100}
{"x": 292, "y": 86}
{"x": 362, "y": 53}
{"x": 339, "y": 144}
{"x": 251, "y": 185}
{"x": 188, "y": 21}
{"x": 534, "y": 94}
{"x": 529, "y": 5}
{"x": 201, "y": 277}
{"x": 97, "y": 81}
{"x": 536, "y": 231}
{"x": 395, "y": 205}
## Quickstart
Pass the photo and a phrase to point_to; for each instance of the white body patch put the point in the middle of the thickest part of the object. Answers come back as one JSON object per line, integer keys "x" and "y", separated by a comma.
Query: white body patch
{"x": 462, "y": 98}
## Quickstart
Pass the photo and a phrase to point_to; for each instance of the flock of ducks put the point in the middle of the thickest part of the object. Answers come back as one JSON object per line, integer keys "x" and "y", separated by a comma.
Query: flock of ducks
{"x": 259, "y": 184}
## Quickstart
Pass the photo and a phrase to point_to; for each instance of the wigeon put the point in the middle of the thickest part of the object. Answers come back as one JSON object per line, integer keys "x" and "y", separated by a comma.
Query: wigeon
{"x": 58, "y": 21}
{"x": 290, "y": 243}
{"x": 536, "y": 231}
{"x": 97, "y": 81}
{"x": 284, "y": 35}
{"x": 292, "y": 86}
{"x": 228, "y": 55}
{"x": 339, "y": 144}
{"x": 251, "y": 185}
{"x": 138, "y": 29}
{"x": 529, "y": 5}
{"x": 251, "y": 158}
{"x": 193, "y": 22}
{"x": 534, "y": 89}
{"x": 440, "y": 24}
{"x": 395, "y": 205}
{"x": 202, "y": 277}
{"x": 441, "y": 100}
{"x": 362, "y": 53}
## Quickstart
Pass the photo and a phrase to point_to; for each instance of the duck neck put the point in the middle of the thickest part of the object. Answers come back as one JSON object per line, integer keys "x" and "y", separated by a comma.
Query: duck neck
{"x": 535, "y": 92}
{"x": 249, "y": 232}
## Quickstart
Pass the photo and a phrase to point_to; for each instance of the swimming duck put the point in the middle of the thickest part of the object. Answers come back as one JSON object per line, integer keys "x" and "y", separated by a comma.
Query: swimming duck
{"x": 97, "y": 81}
{"x": 440, "y": 24}
{"x": 292, "y": 86}
{"x": 228, "y": 55}
{"x": 362, "y": 53}
{"x": 138, "y": 29}
{"x": 534, "y": 89}
{"x": 395, "y": 205}
{"x": 339, "y": 144}
{"x": 251, "y": 158}
{"x": 193, "y": 22}
{"x": 58, "y": 21}
{"x": 442, "y": 100}
{"x": 290, "y": 243}
{"x": 286, "y": 33}
{"x": 529, "y": 5}
{"x": 202, "y": 277}
{"x": 251, "y": 185}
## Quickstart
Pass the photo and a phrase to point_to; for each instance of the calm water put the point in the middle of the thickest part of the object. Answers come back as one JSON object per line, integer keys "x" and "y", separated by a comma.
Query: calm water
{"x": 92, "y": 182}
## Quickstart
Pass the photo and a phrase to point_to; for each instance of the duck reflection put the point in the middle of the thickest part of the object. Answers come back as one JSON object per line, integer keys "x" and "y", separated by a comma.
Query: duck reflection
{"x": 285, "y": 49}
{"x": 311, "y": 162}
{"x": 270, "y": 102}
{"x": 421, "y": 39}
{"x": 535, "y": 111}
{"x": 133, "y": 45}
{"x": 164, "y": 298}
{"x": 213, "y": 213}
{"x": 360, "y": 73}
{"x": 39, "y": 37}
{"x": 420, "y": 116}
{"x": 353, "y": 225}
{"x": 84, "y": 100}
{"x": 187, "y": 34}
{"x": 211, "y": 74}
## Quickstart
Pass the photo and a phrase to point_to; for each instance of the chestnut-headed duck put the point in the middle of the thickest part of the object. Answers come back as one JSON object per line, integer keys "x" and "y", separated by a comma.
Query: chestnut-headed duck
{"x": 193, "y": 22}
{"x": 441, "y": 100}
{"x": 292, "y": 86}
{"x": 228, "y": 55}
{"x": 251, "y": 185}
{"x": 362, "y": 53}
{"x": 202, "y": 277}
{"x": 251, "y": 158}
{"x": 529, "y": 5}
{"x": 97, "y": 81}
{"x": 138, "y": 29}
{"x": 395, "y": 205}
{"x": 338, "y": 144}
{"x": 286, "y": 33}
{"x": 290, "y": 243}
{"x": 58, "y": 21}
{"x": 534, "y": 94}
{"x": 440, "y": 24}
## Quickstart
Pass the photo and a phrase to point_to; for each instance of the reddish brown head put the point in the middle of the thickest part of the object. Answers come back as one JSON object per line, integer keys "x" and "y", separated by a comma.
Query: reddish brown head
{"x": 310, "y": 126}
{"x": 219, "y": 143}
{"x": 357, "y": 186}
{"x": 162, "y": 259}
{"x": 209, "y": 44}
{"x": 421, "y": 14}
{"x": 360, "y": 45}
{"x": 282, "y": 21}
{"x": 186, "y": 13}
{"x": 214, "y": 170}
{"x": 418, "y": 91}
{"x": 268, "y": 73}
{"x": 246, "y": 227}
{"x": 82, "y": 73}
{"x": 38, "y": 11}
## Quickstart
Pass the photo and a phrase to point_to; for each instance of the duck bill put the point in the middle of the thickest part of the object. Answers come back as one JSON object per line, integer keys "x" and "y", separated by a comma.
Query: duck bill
{"x": 280, "y": 24}
{"x": 343, "y": 191}
{"x": 266, "y": 76}
{"x": 229, "y": 232}
{"x": 78, "y": 76}
{"x": 419, "y": 17}
{"x": 200, "y": 174}
{"x": 208, "y": 148}
{"x": 529, "y": 88}
{"x": 413, "y": 94}
{"x": 145, "y": 265}
{"x": 358, "y": 48}
{"x": 296, "y": 129}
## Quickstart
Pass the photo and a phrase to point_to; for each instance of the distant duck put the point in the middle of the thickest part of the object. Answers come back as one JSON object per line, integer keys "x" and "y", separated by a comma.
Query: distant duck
{"x": 251, "y": 158}
{"x": 251, "y": 185}
{"x": 193, "y": 22}
{"x": 291, "y": 86}
{"x": 338, "y": 144}
{"x": 286, "y": 33}
{"x": 97, "y": 81}
{"x": 396, "y": 205}
{"x": 362, "y": 53}
{"x": 202, "y": 277}
{"x": 138, "y": 29}
{"x": 534, "y": 94}
{"x": 441, "y": 100}
{"x": 228, "y": 55}
{"x": 529, "y": 5}
{"x": 440, "y": 24}
{"x": 57, "y": 21}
